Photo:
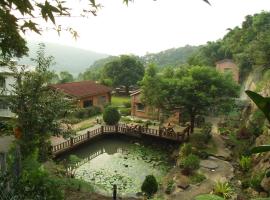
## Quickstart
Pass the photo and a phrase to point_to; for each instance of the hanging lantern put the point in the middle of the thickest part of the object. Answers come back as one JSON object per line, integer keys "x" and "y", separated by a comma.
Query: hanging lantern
{"x": 17, "y": 132}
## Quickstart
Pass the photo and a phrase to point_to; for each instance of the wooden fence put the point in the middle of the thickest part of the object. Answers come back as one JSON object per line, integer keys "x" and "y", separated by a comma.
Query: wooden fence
{"x": 137, "y": 130}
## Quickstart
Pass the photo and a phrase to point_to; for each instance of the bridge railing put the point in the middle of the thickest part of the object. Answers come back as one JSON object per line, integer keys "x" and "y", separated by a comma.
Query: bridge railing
{"x": 166, "y": 133}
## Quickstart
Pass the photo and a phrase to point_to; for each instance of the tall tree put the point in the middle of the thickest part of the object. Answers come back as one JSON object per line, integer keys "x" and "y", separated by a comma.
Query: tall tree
{"x": 65, "y": 77}
{"x": 195, "y": 90}
{"x": 38, "y": 108}
{"x": 126, "y": 71}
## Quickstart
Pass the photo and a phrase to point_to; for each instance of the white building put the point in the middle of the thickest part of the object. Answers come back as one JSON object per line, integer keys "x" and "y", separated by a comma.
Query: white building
{"x": 6, "y": 81}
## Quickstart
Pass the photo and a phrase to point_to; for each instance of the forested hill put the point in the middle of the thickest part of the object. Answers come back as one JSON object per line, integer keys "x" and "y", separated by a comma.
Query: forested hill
{"x": 67, "y": 58}
{"x": 170, "y": 57}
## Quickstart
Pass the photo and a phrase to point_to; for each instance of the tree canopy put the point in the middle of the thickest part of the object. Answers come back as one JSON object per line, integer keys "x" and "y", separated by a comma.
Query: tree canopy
{"x": 125, "y": 70}
{"x": 37, "y": 106}
{"x": 193, "y": 89}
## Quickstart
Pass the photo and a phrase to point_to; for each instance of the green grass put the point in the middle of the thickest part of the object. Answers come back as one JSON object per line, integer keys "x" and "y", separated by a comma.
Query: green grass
{"x": 120, "y": 100}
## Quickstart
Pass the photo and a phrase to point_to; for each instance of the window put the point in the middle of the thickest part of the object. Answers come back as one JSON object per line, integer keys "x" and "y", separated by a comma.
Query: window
{"x": 2, "y": 82}
{"x": 140, "y": 107}
{"x": 102, "y": 100}
{"x": 87, "y": 103}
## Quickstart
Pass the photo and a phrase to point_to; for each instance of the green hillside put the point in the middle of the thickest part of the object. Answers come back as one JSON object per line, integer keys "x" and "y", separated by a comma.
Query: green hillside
{"x": 67, "y": 58}
{"x": 170, "y": 57}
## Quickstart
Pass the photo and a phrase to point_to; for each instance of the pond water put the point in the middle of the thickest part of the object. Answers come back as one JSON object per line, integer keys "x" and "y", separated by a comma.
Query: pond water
{"x": 122, "y": 161}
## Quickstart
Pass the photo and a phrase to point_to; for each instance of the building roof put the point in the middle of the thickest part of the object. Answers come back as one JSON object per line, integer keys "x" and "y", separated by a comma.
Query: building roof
{"x": 82, "y": 89}
{"x": 135, "y": 92}
{"x": 224, "y": 60}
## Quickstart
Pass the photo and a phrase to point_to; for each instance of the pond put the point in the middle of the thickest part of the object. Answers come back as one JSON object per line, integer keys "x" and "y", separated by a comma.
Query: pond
{"x": 123, "y": 161}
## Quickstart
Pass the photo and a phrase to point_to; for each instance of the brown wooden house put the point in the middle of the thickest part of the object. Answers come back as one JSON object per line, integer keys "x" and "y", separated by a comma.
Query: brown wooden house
{"x": 228, "y": 65}
{"x": 87, "y": 93}
{"x": 138, "y": 109}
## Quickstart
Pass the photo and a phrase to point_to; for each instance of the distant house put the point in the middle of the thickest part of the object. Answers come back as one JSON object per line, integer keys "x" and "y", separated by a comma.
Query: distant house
{"x": 138, "y": 109}
{"x": 228, "y": 65}
{"x": 87, "y": 93}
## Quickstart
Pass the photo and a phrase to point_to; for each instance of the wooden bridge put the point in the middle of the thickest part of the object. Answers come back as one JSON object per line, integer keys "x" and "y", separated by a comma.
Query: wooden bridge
{"x": 131, "y": 130}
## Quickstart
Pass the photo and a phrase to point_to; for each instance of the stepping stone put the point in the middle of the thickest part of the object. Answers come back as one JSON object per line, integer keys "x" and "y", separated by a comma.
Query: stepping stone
{"x": 208, "y": 164}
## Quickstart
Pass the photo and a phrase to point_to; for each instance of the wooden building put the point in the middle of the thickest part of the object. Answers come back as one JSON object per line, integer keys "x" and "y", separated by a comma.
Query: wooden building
{"x": 228, "y": 66}
{"x": 87, "y": 93}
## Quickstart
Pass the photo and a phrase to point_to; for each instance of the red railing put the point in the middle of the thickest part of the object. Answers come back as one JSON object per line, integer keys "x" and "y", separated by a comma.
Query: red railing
{"x": 123, "y": 129}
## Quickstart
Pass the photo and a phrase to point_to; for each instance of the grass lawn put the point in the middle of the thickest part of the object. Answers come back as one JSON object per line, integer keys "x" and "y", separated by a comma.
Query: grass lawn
{"x": 120, "y": 100}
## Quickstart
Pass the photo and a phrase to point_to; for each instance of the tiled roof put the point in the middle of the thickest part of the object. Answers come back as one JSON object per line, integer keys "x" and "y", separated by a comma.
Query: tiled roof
{"x": 136, "y": 92}
{"x": 82, "y": 89}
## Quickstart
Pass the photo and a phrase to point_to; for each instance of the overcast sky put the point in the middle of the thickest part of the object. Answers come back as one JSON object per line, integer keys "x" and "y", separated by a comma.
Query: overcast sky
{"x": 152, "y": 26}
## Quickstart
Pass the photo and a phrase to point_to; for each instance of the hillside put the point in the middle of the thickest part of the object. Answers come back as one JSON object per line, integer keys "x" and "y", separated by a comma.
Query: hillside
{"x": 170, "y": 57}
{"x": 67, "y": 58}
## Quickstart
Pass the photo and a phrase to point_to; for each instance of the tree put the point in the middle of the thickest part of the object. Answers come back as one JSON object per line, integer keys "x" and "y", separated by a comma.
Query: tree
{"x": 195, "y": 90}
{"x": 65, "y": 77}
{"x": 150, "y": 185}
{"x": 37, "y": 106}
{"x": 111, "y": 116}
{"x": 126, "y": 70}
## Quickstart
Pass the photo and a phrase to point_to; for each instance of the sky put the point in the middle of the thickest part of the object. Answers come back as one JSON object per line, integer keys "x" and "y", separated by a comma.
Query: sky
{"x": 148, "y": 26}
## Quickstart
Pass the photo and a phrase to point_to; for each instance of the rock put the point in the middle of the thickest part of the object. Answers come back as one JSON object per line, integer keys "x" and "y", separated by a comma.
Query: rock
{"x": 209, "y": 164}
{"x": 266, "y": 183}
{"x": 183, "y": 186}
{"x": 263, "y": 194}
{"x": 253, "y": 193}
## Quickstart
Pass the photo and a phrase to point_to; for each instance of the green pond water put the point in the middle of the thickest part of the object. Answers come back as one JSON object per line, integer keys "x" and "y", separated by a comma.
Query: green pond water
{"x": 122, "y": 161}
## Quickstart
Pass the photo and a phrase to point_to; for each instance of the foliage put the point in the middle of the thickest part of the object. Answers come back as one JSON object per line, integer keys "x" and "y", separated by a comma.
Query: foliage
{"x": 185, "y": 150}
{"x": 111, "y": 115}
{"x": 149, "y": 186}
{"x": 125, "y": 111}
{"x": 65, "y": 77}
{"x": 37, "y": 106}
{"x": 171, "y": 57}
{"x": 84, "y": 113}
{"x": 223, "y": 189}
{"x": 189, "y": 164}
{"x": 255, "y": 181}
{"x": 245, "y": 163}
{"x": 127, "y": 104}
{"x": 196, "y": 90}
{"x": 125, "y": 70}
{"x": 169, "y": 187}
{"x": 208, "y": 197}
{"x": 197, "y": 178}
{"x": 71, "y": 165}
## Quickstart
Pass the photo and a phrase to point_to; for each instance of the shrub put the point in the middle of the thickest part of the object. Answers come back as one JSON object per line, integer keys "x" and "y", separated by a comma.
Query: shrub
{"x": 255, "y": 181}
{"x": 197, "y": 178}
{"x": 189, "y": 163}
{"x": 200, "y": 140}
{"x": 223, "y": 189}
{"x": 149, "y": 186}
{"x": 111, "y": 115}
{"x": 208, "y": 197}
{"x": 125, "y": 111}
{"x": 202, "y": 154}
{"x": 126, "y": 119}
{"x": 185, "y": 150}
{"x": 245, "y": 163}
{"x": 127, "y": 104}
{"x": 169, "y": 187}
{"x": 139, "y": 121}
{"x": 83, "y": 113}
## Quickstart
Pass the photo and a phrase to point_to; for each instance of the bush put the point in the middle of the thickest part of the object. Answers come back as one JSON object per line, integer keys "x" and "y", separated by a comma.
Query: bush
{"x": 255, "y": 181}
{"x": 83, "y": 113}
{"x": 197, "y": 178}
{"x": 202, "y": 154}
{"x": 149, "y": 186}
{"x": 169, "y": 187}
{"x": 185, "y": 150}
{"x": 200, "y": 140}
{"x": 127, "y": 104}
{"x": 111, "y": 115}
{"x": 223, "y": 189}
{"x": 125, "y": 111}
{"x": 189, "y": 163}
{"x": 245, "y": 163}
{"x": 126, "y": 119}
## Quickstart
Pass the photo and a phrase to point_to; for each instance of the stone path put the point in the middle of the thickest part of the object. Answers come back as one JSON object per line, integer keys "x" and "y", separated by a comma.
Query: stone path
{"x": 215, "y": 168}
